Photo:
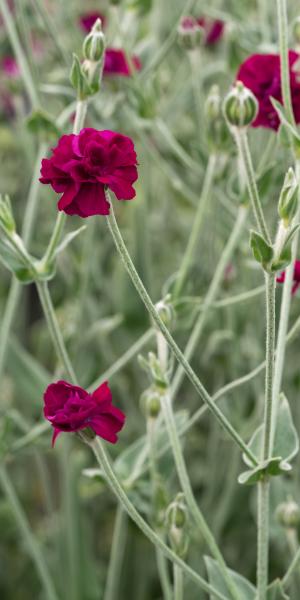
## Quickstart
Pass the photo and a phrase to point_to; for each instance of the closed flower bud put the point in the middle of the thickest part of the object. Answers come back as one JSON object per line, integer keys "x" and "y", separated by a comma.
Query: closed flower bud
{"x": 176, "y": 520}
{"x": 240, "y": 106}
{"x": 151, "y": 402}
{"x": 289, "y": 198}
{"x": 296, "y": 31}
{"x": 288, "y": 514}
{"x": 213, "y": 104}
{"x": 94, "y": 43}
{"x": 190, "y": 33}
{"x": 217, "y": 130}
{"x": 165, "y": 311}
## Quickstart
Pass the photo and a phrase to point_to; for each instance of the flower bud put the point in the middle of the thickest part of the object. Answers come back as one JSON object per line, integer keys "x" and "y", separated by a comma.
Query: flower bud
{"x": 151, "y": 402}
{"x": 190, "y": 33}
{"x": 94, "y": 43}
{"x": 289, "y": 198}
{"x": 213, "y": 104}
{"x": 6, "y": 216}
{"x": 288, "y": 514}
{"x": 165, "y": 310}
{"x": 240, "y": 106}
{"x": 296, "y": 31}
{"x": 217, "y": 130}
{"x": 177, "y": 520}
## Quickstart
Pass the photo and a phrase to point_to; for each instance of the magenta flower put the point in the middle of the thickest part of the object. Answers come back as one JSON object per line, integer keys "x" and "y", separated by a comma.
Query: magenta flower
{"x": 296, "y": 277}
{"x": 10, "y": 67}
{"x": 261, "y": 74}
{"x": 70, "y": 408}
{"x": 87, "y": 20}
{"x": 83, "y": 166}
{"x": 115, "y": 63}
{"x": 213, "y": 28}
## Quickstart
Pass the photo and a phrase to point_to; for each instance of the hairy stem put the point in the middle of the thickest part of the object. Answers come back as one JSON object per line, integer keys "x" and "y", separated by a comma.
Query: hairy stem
{"x": 112, "y": 587}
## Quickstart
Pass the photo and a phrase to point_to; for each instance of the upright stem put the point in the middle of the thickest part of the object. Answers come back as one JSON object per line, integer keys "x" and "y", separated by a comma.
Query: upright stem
{"x": 19, "y": 54}
{"x": 178, "y": 583}
{"x": 113, "y": 482}
{"x": 125, "y": 257}
{"x": 46, "y": 302}
{"x": 112, "y": 586}
{"x": 284, "y": 59}
{"x": 29, "y": 539}
{"x": 211, "y": 295}
{"x": 190, "y": 252}
{"x": 240, "y": 136}
{"x": 263, "y": 492}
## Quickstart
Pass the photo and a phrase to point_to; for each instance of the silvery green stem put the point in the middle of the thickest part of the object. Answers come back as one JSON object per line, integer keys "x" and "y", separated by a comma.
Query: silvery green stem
{"x": 29, "y": 539}
{"x": 190, "y": 251}
{"x": 116, "y": 487}
{"x": 125, "y": 257}
{"x": 211, "y": 295}
{"x": 263, "y": 491}
{"x": 46, "y": 302}
{"x": 284, "y": 59}
{"x": 178, "y": 583}
{"x": 112, "y": 586}
{"x": 240, "y": 136}
{"x": 185, "y": 483}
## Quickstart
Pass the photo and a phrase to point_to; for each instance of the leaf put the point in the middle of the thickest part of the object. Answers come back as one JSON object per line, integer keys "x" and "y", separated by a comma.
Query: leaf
{"x": 286, "y": 446}
{"x": 246, "y": 590}
{"x": 42, "y": 123}
{"x": 262, "y": 251}
{"x": 275, "y": 591}
{"x": 287, "y": 127}
{"x": 68, "y": 239}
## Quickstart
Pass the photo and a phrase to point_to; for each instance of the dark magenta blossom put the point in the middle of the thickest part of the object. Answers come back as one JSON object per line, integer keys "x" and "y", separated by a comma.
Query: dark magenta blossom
{"x": 70, "y": 408}
{"x": 261, "y": 74}
{"x": 87, "y": 20}
{"x": 83, "y": 166}
{"x": 213, "y": 29}
{"x": 116, "y": 63}
{"x": 296, "y": 277}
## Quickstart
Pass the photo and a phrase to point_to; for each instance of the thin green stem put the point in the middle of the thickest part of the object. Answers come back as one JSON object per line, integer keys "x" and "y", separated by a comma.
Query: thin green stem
{"x": 293, "y": 566}
{"x": 46, "y": 302}
{"x": 263, "y": 492}
{"x": 29, "y": 539}
{"x": 240, "y": 136}
{"x": 116, "y": 487}
{"x": 270, "y": 353}
{"x": 125, "y": 257}
{"x": 178, "y": 583}
{"x": 189, "y": 496}
{"x": 112, "y": 586}
{"x": 163, "y": 575}
{"x": 51, "y": 28}
{"x": 19, "y": 54}
{"x": 190, "y": 252}
{"x": 211, "y": 295}
{"x": 284, "y": 59}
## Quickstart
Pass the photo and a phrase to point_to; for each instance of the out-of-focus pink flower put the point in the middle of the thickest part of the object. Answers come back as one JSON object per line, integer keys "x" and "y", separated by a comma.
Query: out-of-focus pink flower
{"x": 83, "y": 166}
{"x": 116, "y": 63}
{"x": 213, "y": 28}
{"x": 87, "y": 20}
{"x": 261, "y": 74}
{"x": 296, "y": 276}
{"x": 10, "y": 67}
{"x": 70, "y": 408}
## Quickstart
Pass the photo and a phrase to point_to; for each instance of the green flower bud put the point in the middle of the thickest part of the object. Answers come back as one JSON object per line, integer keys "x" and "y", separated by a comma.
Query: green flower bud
{"x": 6, "y": 215}
{"x": 240, "y": 106}
{"x": 190, "y": 33}
{"x": 289, "y": 198}
{"x": 296, "y": 30}
{"x": 79, "y": 80}
{"x": 94, "y": 43}
{"x": 151, "y": 402}
{"x": 288, "y": 514}
{"x": 217, "y": 130}
{"x": 177, "y": 521}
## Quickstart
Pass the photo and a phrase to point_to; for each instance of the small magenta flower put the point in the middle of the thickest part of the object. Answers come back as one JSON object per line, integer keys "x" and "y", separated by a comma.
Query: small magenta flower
{"x": 296, "y": 277}
{"x": 116, "y": 63}
{"x": 213, "y": 29}
{"x": 261, "y": 74}
{"x": 87, "y": 20}
{"x": 83, "y": 166}
{"x": 70, "y": 408}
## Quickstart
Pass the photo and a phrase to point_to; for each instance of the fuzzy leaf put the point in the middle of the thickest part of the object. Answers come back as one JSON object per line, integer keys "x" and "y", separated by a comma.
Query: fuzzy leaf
{"x": 246, "y": 590}
{"x": 262, "y": 252}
